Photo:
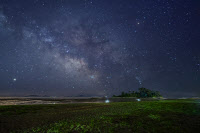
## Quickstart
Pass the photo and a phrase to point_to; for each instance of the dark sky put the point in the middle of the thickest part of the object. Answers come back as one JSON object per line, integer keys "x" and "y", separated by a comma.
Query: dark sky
{"x": 99, "y": 47}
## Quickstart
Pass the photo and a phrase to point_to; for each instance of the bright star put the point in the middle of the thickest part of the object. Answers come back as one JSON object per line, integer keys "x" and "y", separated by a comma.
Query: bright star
{"x": 92, "y": 77}
{"x": 14, "y": 79}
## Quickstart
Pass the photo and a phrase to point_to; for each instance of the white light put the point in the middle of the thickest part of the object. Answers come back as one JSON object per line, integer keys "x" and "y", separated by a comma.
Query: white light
{"x": 138, "y": 100}
{"x": 14, "y": 79}
{"x": 107, "y": 101}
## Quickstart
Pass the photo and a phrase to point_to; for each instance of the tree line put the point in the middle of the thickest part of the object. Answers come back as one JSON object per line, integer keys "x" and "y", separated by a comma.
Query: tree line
{"x": 142, "y": 93}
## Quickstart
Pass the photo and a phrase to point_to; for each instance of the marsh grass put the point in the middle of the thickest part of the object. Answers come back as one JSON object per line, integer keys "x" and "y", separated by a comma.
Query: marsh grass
{"x": 147, "y": 116}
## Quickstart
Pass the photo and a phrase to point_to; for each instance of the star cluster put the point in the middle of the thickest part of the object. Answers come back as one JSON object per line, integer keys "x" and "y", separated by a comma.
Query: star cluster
{"x": 99, "y": 47}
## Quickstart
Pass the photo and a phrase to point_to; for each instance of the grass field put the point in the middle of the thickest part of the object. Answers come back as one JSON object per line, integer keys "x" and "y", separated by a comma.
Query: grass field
{"x": 146, "y": 116}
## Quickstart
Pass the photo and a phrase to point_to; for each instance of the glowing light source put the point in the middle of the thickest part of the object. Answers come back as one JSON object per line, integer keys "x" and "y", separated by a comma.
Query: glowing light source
{"x": 138, "y": 100}
{"x": 107, "y": 101}
{"x": 14, "y": 79}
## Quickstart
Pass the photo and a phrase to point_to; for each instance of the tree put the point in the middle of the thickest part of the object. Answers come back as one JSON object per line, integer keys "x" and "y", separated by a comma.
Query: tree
{"x": 143, "y": 93}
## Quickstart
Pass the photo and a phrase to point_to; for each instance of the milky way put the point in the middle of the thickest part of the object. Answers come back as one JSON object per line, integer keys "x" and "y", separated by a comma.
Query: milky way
{"x": 99, "y": 47}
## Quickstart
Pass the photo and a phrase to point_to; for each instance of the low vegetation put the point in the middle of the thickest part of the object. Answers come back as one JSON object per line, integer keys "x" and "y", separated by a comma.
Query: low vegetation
{"x": 144, "y": 116}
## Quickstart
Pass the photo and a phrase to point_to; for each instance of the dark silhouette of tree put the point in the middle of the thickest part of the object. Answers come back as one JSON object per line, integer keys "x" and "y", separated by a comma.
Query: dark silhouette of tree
{"x": 142, "y": 93}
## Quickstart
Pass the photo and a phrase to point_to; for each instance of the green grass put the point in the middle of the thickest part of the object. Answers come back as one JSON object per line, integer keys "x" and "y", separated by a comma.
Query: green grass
{"x": 147, "y": 116}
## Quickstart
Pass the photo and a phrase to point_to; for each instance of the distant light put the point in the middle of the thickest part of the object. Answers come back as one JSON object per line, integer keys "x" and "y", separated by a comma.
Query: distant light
{"x": 138, "y": 100}
{"x": 107, "y": 101}
{"x": 14, "y": 79}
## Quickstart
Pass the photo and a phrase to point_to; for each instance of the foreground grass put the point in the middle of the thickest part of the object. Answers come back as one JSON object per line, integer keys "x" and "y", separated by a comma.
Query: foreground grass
{"x": 148, "y": 116}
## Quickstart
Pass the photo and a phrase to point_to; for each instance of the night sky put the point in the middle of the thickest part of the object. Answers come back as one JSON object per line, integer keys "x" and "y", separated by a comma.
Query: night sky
{"x": 99, "y": 47}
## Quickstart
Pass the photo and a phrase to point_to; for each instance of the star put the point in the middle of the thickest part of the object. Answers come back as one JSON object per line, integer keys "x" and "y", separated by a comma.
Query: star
{"x": 92, "y": 76}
